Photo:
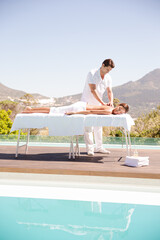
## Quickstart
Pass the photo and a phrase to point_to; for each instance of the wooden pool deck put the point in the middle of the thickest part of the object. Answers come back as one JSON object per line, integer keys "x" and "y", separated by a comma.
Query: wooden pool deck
{"x": 54, "y": 160}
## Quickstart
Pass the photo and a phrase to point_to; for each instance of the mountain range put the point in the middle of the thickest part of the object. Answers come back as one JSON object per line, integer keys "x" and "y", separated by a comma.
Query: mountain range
{"x": 142, "y": 95}
{"x": 6, "y": 92}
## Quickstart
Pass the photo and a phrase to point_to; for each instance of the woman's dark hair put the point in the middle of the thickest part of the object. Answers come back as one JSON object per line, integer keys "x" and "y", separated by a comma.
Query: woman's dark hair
{"x": 109, "y": 62}
{"x": 125, "y": 106}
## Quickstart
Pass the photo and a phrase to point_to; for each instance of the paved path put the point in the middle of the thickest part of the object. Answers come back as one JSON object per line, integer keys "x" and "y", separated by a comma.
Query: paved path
{"x": 54, "y": 160}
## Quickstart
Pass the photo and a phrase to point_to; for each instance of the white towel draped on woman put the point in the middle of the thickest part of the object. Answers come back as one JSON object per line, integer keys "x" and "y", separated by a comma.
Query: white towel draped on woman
{"x": 75, "y": 107}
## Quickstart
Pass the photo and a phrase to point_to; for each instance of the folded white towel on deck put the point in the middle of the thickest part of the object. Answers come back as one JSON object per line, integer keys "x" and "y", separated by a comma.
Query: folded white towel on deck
{"x": 133, "y": 161}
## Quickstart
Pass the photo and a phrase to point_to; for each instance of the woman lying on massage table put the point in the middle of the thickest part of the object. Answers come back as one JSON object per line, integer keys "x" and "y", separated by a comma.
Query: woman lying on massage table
{"x": 81, "y": 108}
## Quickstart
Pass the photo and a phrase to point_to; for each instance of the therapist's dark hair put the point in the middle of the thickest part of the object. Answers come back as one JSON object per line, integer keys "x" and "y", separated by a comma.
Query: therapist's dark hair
{"x": 109, "y": 62}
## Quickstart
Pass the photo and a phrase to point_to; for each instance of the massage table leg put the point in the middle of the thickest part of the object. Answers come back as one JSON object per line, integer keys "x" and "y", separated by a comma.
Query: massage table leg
{"x": 17, "y": 149}
{"x": 19, "y": 132}
{"x": 129, "y": 143}
{"x": 28, "y": 135}
{"x": 126, "y": 142}
{"x": 123, "y": 134}
{"x": 71, "y": 152}
{"x": 74, "y": 152}
{"x": 77, "y": 150}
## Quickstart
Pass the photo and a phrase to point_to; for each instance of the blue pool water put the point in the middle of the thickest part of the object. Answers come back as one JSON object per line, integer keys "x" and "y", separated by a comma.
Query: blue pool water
{"x": 52, "y": 219}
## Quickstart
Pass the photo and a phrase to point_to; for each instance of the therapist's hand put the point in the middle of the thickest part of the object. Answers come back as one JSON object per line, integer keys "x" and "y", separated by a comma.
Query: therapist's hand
{"x": 110, "y": 104}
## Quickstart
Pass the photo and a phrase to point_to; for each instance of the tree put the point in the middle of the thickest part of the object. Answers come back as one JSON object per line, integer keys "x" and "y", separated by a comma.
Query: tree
{"x": 29, "y": 99}
{"x": 5, "y": 122}
{"x": 13, "y": 106}
{"x": 147, "y": 125}
{"x": 116, "y": 101}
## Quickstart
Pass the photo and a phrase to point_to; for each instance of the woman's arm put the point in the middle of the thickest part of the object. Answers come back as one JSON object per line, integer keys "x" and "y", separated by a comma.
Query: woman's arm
{"x": 98, "y": 112}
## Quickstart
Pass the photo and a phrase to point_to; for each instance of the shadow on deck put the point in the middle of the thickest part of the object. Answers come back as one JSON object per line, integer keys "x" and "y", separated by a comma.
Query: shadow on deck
{"x": 54, "y": 160}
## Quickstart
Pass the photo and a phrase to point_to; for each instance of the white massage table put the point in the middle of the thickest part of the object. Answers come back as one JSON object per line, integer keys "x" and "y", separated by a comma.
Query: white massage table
{"x": 73, "y": 125}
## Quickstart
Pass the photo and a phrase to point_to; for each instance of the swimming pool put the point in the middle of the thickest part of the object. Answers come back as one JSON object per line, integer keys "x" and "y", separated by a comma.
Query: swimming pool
{"x": 78, "y": 207}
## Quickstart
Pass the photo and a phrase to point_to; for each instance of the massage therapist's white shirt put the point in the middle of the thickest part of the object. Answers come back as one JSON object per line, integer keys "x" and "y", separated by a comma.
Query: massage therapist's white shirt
{"x": 94, "y": 77}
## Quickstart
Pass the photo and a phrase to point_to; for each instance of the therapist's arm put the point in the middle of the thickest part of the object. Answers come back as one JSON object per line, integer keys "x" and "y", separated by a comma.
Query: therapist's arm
{"x": 95, "y": 94}
{"x": 110, "y": 96}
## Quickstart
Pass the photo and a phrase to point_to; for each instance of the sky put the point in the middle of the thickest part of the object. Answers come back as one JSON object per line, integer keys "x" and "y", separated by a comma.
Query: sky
{"x": 49, "y": 46}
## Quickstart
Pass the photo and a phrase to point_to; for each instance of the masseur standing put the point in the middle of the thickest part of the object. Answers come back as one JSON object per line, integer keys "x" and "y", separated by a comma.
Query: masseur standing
{"x": 98, "y": 81}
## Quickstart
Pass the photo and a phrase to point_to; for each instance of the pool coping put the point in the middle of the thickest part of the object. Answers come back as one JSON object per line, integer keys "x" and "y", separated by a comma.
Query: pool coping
{"x": 81, "y": 188}
{"x": 111, "y": 146}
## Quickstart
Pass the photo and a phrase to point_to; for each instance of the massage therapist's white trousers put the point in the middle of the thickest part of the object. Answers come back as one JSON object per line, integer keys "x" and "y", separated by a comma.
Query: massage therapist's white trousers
{"x": 88, "y": 136}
